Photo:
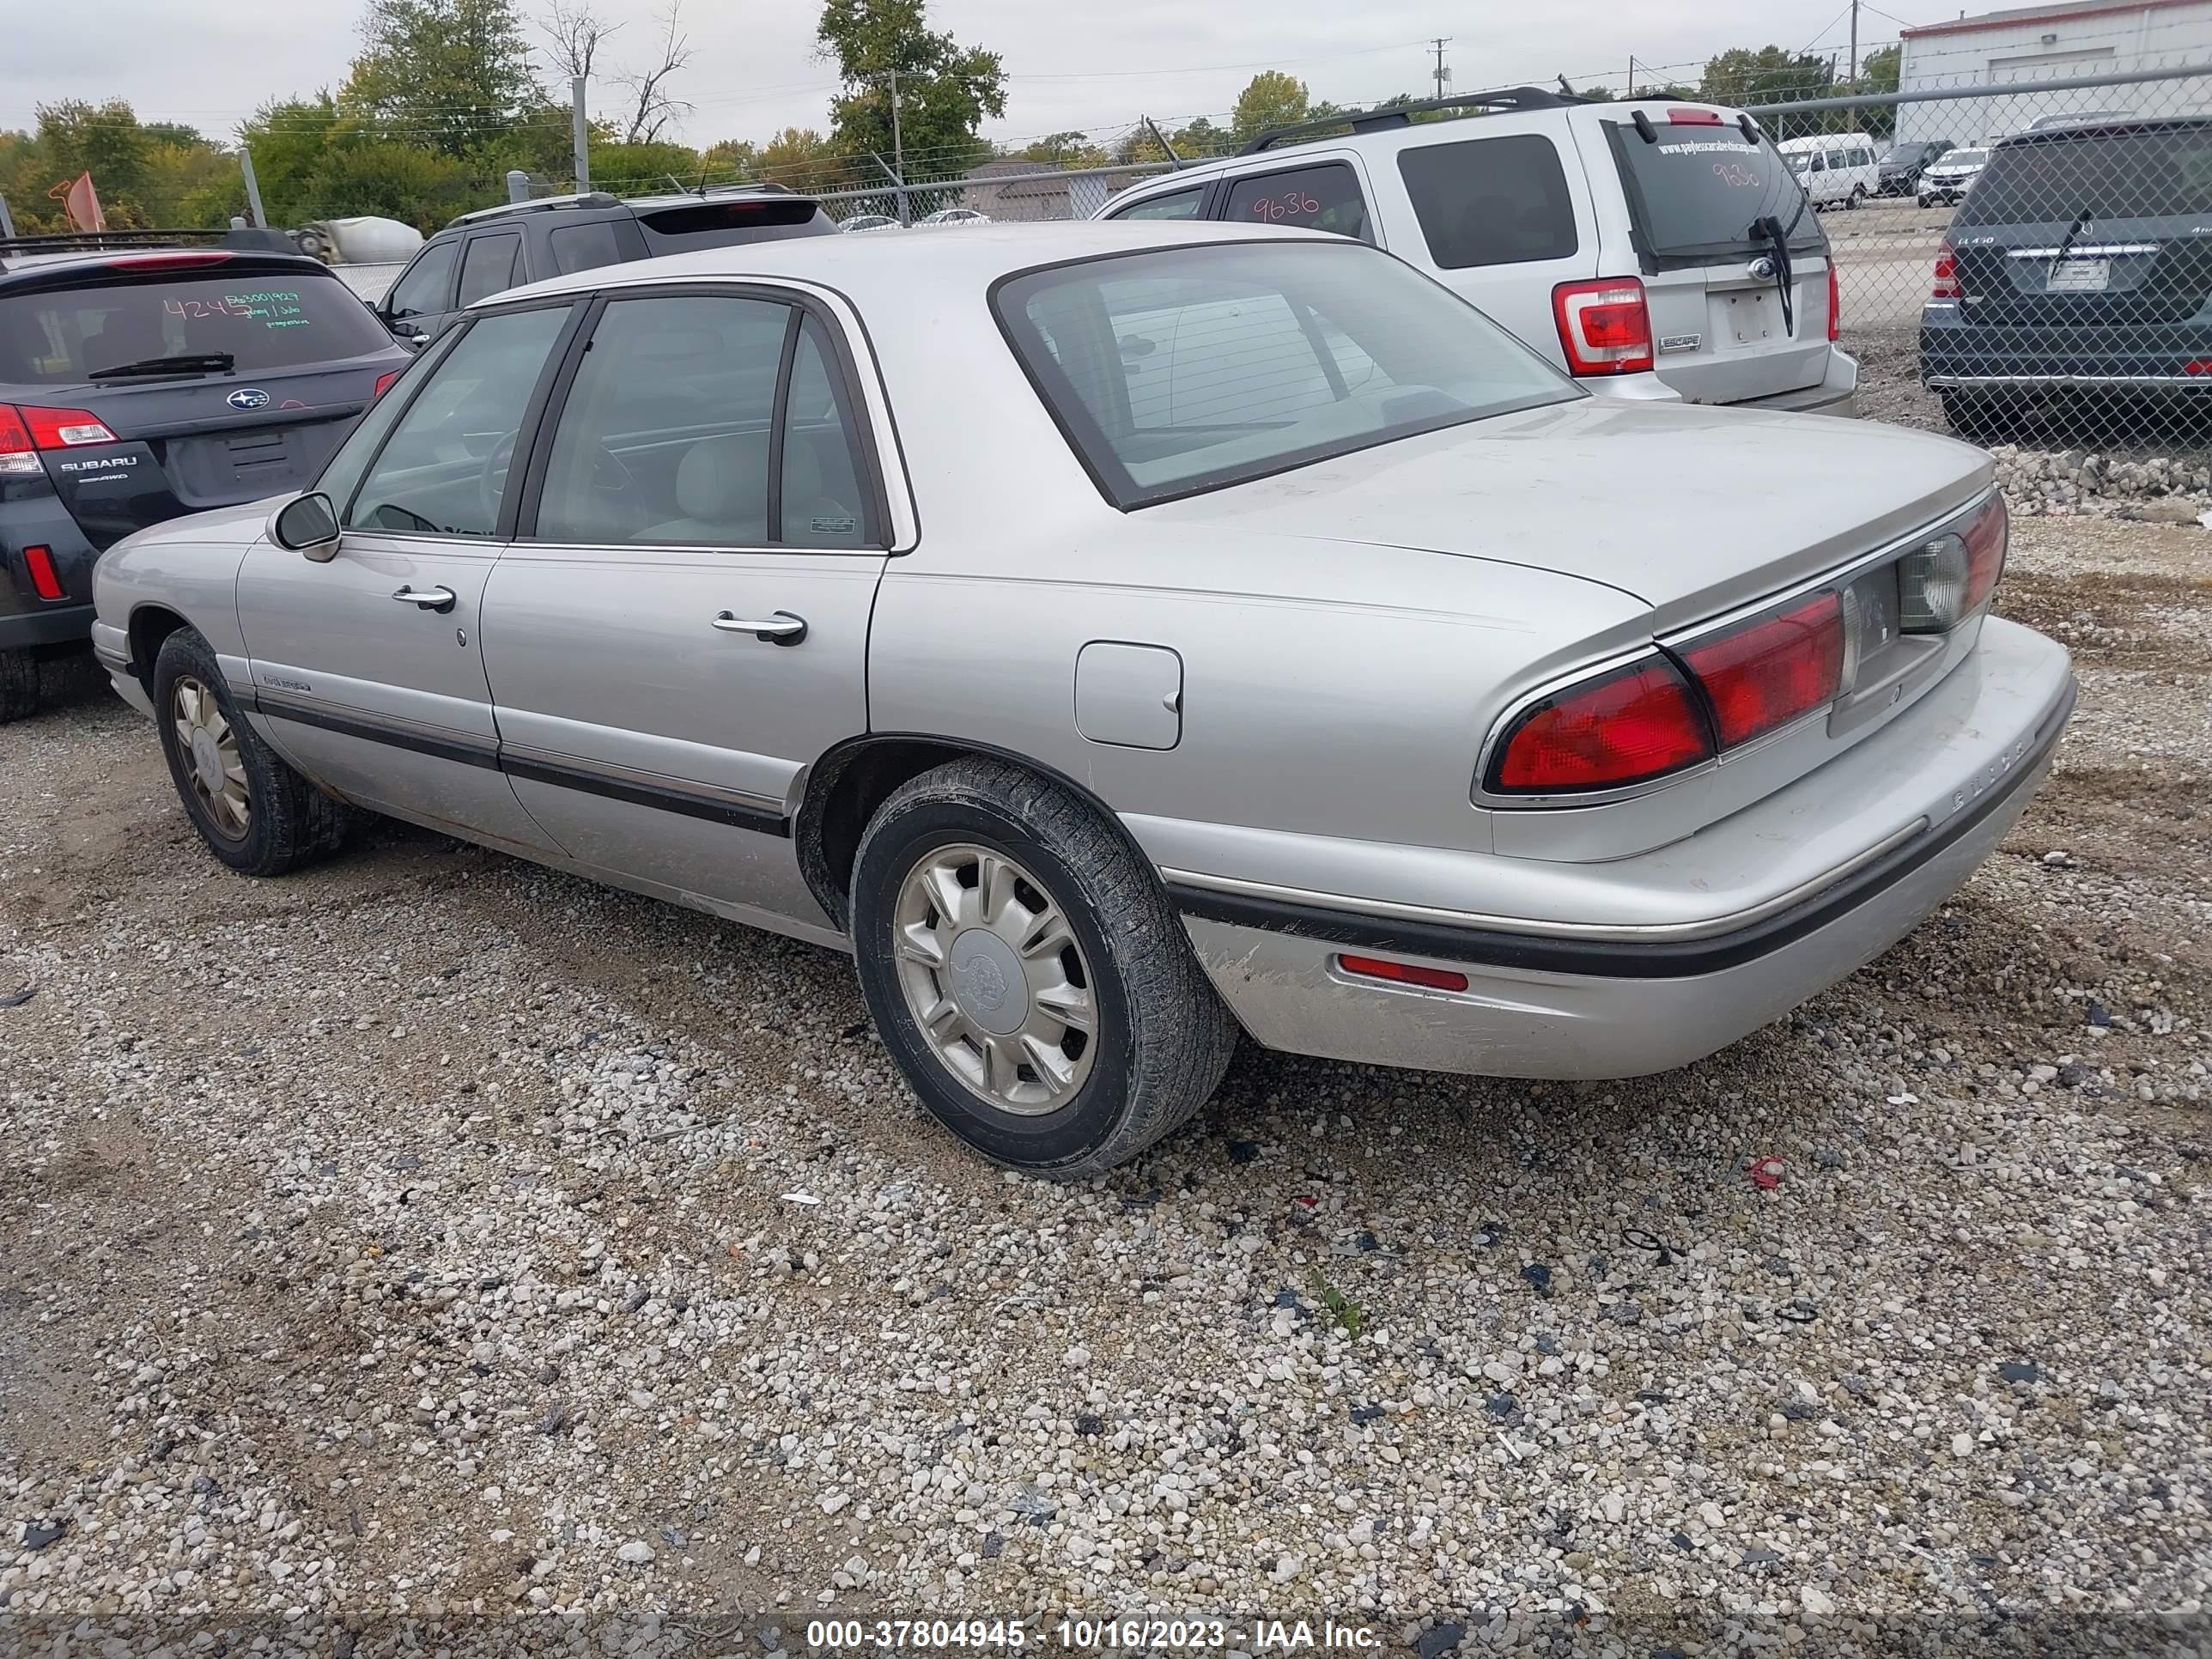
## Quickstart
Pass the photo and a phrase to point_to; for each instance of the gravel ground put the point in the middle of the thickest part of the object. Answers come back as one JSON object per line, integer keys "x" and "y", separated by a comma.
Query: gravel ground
{"x": 430, "y": 1236}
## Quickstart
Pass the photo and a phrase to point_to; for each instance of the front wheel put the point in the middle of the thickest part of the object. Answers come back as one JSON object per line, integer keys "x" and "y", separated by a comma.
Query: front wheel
{"x": 1857, "y": 195}
{"x": 1027, "y": 973}
{"x": 254, "y": 812}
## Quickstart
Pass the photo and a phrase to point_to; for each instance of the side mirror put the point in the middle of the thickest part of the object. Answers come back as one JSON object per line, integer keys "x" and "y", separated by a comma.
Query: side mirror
{"x": 306, "y": 524}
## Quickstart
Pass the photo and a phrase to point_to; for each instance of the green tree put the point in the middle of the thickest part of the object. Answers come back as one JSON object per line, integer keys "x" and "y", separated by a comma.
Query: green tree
{"x": 946, "y": 91}
{"x": 449, "y": 74}
{"x": 1270, "y": 99}
{"x": 800, "y": 158}
{"x": 640, "y": 169}
{"x": 1064, "y": 149}
{"x": 1741, "y": 76}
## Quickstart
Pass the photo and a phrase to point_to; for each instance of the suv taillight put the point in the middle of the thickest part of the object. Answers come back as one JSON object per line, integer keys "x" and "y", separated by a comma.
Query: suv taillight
{"x": 19, "y": 457}
{"x": 1946, "y": 276}
{"x": 1835, "y": 303}
{"x": 1605, "y": 328}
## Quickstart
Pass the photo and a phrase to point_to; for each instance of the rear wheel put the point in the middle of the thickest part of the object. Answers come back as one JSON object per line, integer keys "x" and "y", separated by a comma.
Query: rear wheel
{"x": 18, "y": 685}
{"x": 1027, "y": 973}
{"x": 254, "y": 812}
{"x": 1857, "y": 195}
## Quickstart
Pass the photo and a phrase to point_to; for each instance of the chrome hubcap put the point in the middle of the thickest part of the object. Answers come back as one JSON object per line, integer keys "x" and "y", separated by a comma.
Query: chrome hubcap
{"x": 994, "y": 979}
{"x": 208, "y": 747}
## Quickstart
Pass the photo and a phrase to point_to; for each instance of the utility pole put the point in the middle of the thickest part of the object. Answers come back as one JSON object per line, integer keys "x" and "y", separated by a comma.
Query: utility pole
{"x": 898, "y": 154}
{"x": 1855, "y": 42}
{"x": 253, "y": 187}
{"x": 581, "y": 133}
{"x": 1631, "y": 75}
{"x": 1443, "y": 75}
{"x": 7, "y": 221}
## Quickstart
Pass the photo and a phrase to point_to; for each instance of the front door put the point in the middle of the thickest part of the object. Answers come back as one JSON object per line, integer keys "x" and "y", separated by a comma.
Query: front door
{"x": 681, "y": 626}
{"x": 368, "y": 670}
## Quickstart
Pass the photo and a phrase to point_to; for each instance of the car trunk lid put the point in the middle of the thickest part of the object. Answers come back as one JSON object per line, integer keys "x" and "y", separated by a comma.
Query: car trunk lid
{"x": 1726, "y": 325}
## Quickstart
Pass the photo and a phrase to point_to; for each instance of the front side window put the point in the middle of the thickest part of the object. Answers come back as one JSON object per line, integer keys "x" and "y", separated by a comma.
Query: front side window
{"x": 1491, "y": 200}
{"x": 491, "y": 265}
{"x": 1180, "y": 205}
{"x": 669, "y": 436}
{"x": 445, "y": 468}
{"x": 425, "y": 288}
{"x": 1324, "y": 197}
{"x": 1188, "y": 369}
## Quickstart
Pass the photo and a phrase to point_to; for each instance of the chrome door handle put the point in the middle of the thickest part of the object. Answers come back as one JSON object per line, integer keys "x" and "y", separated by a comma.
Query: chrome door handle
{"x": 430, "y": 599}
{"x": 781, "y": 628}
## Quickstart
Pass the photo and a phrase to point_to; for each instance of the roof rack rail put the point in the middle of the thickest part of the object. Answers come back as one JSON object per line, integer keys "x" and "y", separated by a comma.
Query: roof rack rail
{"x": 594, "y": 198}
{"x": 239, "y": 238}
{"x": 1401, "y": 115}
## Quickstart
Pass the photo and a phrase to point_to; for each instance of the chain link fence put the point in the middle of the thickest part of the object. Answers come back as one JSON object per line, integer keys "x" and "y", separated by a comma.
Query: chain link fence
{"x": 2026, "y": 262}
{"x": 1001, "y": 191}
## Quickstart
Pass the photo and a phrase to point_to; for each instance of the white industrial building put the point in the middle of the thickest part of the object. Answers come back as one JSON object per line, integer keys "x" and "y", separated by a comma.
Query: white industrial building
{"x": 2039, "y": 44}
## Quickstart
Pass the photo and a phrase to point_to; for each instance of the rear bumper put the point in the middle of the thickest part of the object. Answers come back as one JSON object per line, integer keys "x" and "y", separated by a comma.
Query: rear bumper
{"x": 50, "y": 624}
{"x": 1595, "y": 1002}
{"x": 2147, "y": 357}
{"x": 1836, "y": 394}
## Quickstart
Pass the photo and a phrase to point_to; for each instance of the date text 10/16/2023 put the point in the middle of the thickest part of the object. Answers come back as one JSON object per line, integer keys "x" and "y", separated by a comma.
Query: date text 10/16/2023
{"x": 1088, "y": 1634}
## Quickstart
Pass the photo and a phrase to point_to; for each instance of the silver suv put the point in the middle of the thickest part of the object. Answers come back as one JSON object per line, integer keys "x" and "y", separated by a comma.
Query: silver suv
{"x": 1662, "y": 248}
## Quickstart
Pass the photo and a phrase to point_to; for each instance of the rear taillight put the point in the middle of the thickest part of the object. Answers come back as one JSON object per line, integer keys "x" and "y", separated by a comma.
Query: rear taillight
{"x": 1403, "y": 973}
{"x": 383, "y": 385}
{"x": 1762, "y": 674}
{"x": 1628, "y": 725}
{"x": 1946, "y": 286}
{"x": 167, "y": 261}
{"x": 1605, "y": 327}
{"x": 1835, "y": 302}
{"x": 46, "y": 582}
{"x": 63, "y": 429}
{"x": 1987, "y": 537}
{"x": 1693, "y": 117}
{"x": 19, "y": 457}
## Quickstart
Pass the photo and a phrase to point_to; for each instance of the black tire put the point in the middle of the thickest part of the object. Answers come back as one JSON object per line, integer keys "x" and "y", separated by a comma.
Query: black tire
{"x": 289, "y": 822}
{"x": 18, "y": 685}
{"x": 1976, "y": 418}
{"x": 1857, "y": 195}
{"x": 1162, "y": 1037}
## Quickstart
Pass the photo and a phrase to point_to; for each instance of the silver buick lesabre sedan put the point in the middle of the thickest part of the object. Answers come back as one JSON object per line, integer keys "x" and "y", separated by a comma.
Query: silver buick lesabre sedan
{"x": 1118, "y": 636}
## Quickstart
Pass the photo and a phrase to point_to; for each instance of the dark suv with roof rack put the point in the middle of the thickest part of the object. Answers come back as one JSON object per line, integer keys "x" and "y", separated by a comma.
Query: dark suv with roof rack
{"x": 142, "y": 378}
{"x": 2077, "y": 279}
{"x": 497, "y": 248}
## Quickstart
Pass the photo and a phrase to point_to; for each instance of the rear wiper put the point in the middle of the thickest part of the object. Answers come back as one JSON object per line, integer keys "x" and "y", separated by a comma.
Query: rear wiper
{"x": 1784, "y": 278}
{"x": 184, "y": 362}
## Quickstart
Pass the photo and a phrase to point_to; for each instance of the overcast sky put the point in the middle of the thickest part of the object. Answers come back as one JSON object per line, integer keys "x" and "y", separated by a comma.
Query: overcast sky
{"x": 1095, "y": 65}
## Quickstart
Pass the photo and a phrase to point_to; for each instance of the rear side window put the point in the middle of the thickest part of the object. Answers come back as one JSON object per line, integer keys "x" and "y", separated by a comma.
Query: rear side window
{"x": 426, "y": 288}
{"x": 262, "y": 319}
{"x": 584, "y": 247}
{"x": 489, "y": 266}
{"x": 2158, "y": 173}
{"x": 1696, "y": 193}
{"x": 1324, "y": 197}
{"x": 1491, "y": 200}
{"x": 1183, "y": 204}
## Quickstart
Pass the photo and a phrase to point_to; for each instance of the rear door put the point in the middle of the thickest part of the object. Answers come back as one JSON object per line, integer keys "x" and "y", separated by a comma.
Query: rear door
{"x": 491, "y": 263}
{"x": 217, "y": 379}
{"x": 2091, "y": 252}
{"x": 1726, "y": 328}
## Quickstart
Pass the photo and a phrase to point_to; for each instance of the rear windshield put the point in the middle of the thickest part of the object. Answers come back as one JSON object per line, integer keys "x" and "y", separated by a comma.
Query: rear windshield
{"x": 2158, "y": 174}
{"x": 1190, "y": 368}
{"x": 1697, "y": 191}
{"x": 263, "y": 321}
{"x": 718, "y": 224}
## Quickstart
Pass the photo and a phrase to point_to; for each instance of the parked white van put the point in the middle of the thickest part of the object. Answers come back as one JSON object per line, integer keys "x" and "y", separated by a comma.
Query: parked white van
{"x": 1836, "y": 168}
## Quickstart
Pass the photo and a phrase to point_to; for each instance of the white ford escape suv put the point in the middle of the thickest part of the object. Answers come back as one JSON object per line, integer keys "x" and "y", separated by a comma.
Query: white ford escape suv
{"x": 1662, "y": 248}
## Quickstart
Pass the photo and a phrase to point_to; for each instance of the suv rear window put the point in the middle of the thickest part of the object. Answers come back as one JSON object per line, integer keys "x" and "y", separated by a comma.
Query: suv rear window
{"x": 1696, "y": 191}
{"x": 265, "y": 320}
{"x": 1491, "y": 200}
{"x": 2160, "y": 173}
{"x": 712, "y": 223}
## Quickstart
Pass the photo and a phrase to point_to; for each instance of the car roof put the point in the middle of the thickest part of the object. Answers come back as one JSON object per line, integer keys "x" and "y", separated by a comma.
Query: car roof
{"x": 46, "y": 268}
{"x": 891, "y": 267}
{"x": 2109, "y": 127}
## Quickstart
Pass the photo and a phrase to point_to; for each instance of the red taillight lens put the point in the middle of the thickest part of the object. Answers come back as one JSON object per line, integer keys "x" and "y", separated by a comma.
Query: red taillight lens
{"x": 1604, "y": 326}
{"x": 167, "y": 261}
{"x": 1987, "y": 538}
{"x": 1403, "y": 973}
{"x": 45, "y": 582}
{"x": 1947, "y": 277}
{"x": 18, "y": 455}
{"x": 1835, "y": 302}
{"x": 383, "y": 385}
{"x": 65, "y": 429}
{"x": 1693, "y": 117}
{"x": 1766, "y": 672}
{"x": 1626, "y": 727}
